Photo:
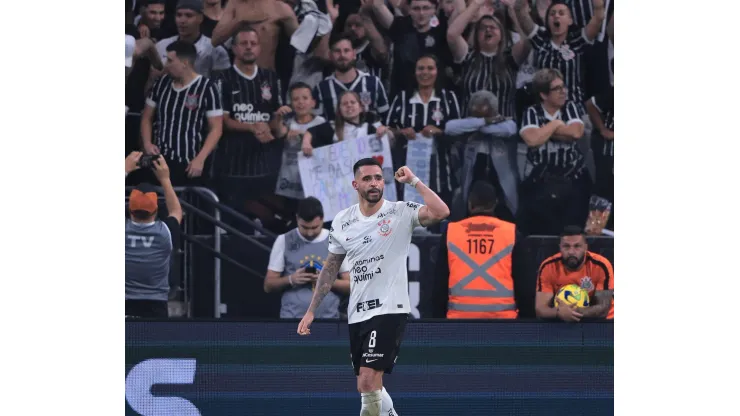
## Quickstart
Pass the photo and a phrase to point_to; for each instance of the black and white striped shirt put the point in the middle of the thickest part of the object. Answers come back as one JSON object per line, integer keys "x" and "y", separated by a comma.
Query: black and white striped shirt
{"x": 249, "y": 99}
{"x": 181, "y": 115}
{"x": 566, "y": 58}
{"x": 372, "y": 94}
{"x": 479, "y": 73}
{"x": 412, "y": 112}
{"x": 605, "y": 104}
{"x": 583, "y": 10}
{"x": 554, "y": 157}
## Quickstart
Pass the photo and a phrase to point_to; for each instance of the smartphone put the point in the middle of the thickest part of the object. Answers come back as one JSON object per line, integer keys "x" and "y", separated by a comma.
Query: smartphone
{"x": 311, "y": 270}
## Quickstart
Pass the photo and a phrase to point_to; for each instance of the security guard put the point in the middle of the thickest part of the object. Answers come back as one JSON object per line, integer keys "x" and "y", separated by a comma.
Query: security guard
{"x": 479, "y": 265}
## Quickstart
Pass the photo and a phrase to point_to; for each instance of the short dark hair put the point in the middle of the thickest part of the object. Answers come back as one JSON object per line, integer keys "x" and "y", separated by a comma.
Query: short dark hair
{"x": 571, "y": 230}
{"x": 150, "y": 2}
{"x": 309, "y": 209}
{"x": 368, "y": 161}
{"x": 434, "y": 2}
{"x": 340, "y": 37}
{"x": 482, "y": 196}
{"x": 244, "y": 28}
{"x": 297, "y": 86}
{"x": 183, "y": 50}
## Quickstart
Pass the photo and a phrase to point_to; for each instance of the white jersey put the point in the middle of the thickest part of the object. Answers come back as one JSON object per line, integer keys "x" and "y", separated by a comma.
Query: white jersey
{"x": 376, "y": 248}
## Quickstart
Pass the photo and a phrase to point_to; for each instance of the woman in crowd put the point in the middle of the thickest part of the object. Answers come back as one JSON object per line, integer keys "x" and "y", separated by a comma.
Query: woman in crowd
{"x": 490, "y": 64}
{"x": 560, "y": 44}
{"x": 424, "y": 108}
{"x": 351, "y": 123}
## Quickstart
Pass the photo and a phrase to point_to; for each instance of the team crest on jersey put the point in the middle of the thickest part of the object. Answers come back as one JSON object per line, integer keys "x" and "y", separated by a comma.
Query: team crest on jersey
{"x": 437, "y": 115}
{"x": 385, "y": 227}
{"x": 567, "y": 53}
{"x": 587, "y": 284}
{"x": 266, "y": 92}
{"x": 366, "y": 99}
{"x": 429, "y": 42}
{"x": 191, "y": 101}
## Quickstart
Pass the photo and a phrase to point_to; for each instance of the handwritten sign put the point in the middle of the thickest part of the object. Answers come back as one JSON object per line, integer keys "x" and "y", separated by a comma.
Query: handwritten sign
{"x": 418, "y": 159}
{"x": 327, "y": 174}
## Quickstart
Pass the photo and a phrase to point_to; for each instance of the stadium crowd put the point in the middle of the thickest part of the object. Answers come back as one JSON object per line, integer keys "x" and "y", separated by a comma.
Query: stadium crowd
{"x": 229, "y": 92}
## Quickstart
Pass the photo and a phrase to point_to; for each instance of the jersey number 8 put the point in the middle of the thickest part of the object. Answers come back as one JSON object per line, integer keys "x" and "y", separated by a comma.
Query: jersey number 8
{"x": 371, "y": 344}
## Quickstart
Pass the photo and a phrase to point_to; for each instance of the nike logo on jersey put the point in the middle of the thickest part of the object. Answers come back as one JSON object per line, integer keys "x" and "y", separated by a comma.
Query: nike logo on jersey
{"x": 234, "y": 92}
{"x": 369, "y": 361}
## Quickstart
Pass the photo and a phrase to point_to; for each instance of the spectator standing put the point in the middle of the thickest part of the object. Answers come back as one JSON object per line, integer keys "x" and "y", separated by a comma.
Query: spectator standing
{"x": 150, "y": 243}
{"x": 182, "y": 103}
{"x": 491, "y": 65}
{"x": 487, "y": 245}
{"x": 351, "y": 123}
{"x": 251, "y": 96}
{"x": 561, "y": 44}
{"x": 488, "y": 152}
{"x": 370, "y": 46}
{"x": 270, "y": 18}
{"x": 347, "y": 78}
{"x": 419, "y": 33}
{"x": 297, "y": 258}
{"x": 188, "y": 17}
{"x": 556, "y": 187}
{"x": 302, "y": 103}
{"x": 151, "y": 18}
{"x": 574, "y": 264}
{"x": 425, "y": 107}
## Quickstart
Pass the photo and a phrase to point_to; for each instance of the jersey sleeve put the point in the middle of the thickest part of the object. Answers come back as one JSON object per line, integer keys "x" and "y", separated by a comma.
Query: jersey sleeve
{"x": 277, "y": 255}
{"x": 381, "y": 98}
{"x": 335, "y": 246}
{"x": 411, "y": 213}
{"x": 394, "y": 115}
{"x": 213, "y": 101}
{"x": 570, "y": 115}
{"x": 545, "y": 279}
{"x": 154, "y": 96}
{"x": 530, "y": 119}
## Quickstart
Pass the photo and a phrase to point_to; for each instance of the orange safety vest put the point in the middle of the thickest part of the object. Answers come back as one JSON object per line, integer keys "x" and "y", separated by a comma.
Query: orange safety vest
{"x": 479, "y": 256}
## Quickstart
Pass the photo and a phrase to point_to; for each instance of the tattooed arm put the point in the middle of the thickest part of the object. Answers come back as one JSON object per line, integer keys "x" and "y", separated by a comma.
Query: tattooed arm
{"x": 600, "y": 306}
{"x": 326, "y": 279}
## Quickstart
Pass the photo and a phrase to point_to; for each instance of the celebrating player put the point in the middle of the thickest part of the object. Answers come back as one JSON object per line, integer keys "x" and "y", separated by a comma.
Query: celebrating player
{"x": 374, "y": 235}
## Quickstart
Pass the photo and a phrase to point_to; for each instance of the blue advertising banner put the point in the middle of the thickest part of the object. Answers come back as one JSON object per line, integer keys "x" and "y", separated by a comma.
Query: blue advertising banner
{"x": 445, "y": 368}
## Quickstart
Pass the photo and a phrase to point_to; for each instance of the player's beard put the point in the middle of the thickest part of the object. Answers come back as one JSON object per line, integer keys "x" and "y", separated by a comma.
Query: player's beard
{"x": 373, "y": 197}
{"x": 573, "y": 262}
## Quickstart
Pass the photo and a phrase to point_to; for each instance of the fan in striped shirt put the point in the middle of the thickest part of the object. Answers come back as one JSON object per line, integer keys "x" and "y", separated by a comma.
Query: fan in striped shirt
{"x": 251, "y": 96}
{"x": 424, "y": 109}
{"x": 182, "y": 102}
{"x": 561, "y": 44}
{"x": 489, "y": 65}
{"x": 556, "y": 188}
{"x": 370, "y": 47}
{"x": 347, "y": 78}
{"x": 601, "y": 111}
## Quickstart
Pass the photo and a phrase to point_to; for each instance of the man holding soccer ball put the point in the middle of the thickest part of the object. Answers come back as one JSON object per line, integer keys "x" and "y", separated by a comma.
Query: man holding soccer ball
{"x": 575, "y": 265}
{"x": 374, "y": 235}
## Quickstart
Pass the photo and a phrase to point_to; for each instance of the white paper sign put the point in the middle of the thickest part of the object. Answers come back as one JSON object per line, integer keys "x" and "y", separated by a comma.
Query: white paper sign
{"x": 418, "y": 159}
{"x": 327, "y": 174}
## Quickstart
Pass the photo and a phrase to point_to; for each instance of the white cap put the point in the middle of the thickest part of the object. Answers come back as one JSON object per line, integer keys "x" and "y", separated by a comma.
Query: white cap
{"x": 130, "y": 46}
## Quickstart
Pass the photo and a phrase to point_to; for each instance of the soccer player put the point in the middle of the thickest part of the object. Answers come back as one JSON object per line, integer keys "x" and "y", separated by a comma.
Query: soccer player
{"x": 374, "y": 235}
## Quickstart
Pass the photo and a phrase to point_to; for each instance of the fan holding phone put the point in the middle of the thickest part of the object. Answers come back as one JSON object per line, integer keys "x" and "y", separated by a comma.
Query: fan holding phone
{"x": 296, "y": 260}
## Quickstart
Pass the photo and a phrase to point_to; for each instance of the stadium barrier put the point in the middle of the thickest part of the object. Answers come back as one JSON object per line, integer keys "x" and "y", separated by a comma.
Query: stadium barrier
{"x": 243, "y": 295}
{"x": 467, "y": 368}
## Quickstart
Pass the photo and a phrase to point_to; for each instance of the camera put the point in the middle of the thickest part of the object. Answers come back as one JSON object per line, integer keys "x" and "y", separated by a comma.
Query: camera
{"x": 146, "y": 161}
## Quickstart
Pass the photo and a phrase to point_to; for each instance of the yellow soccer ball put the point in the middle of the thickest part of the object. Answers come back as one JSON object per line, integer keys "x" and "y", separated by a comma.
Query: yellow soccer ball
{"x": 572, "y": 295}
